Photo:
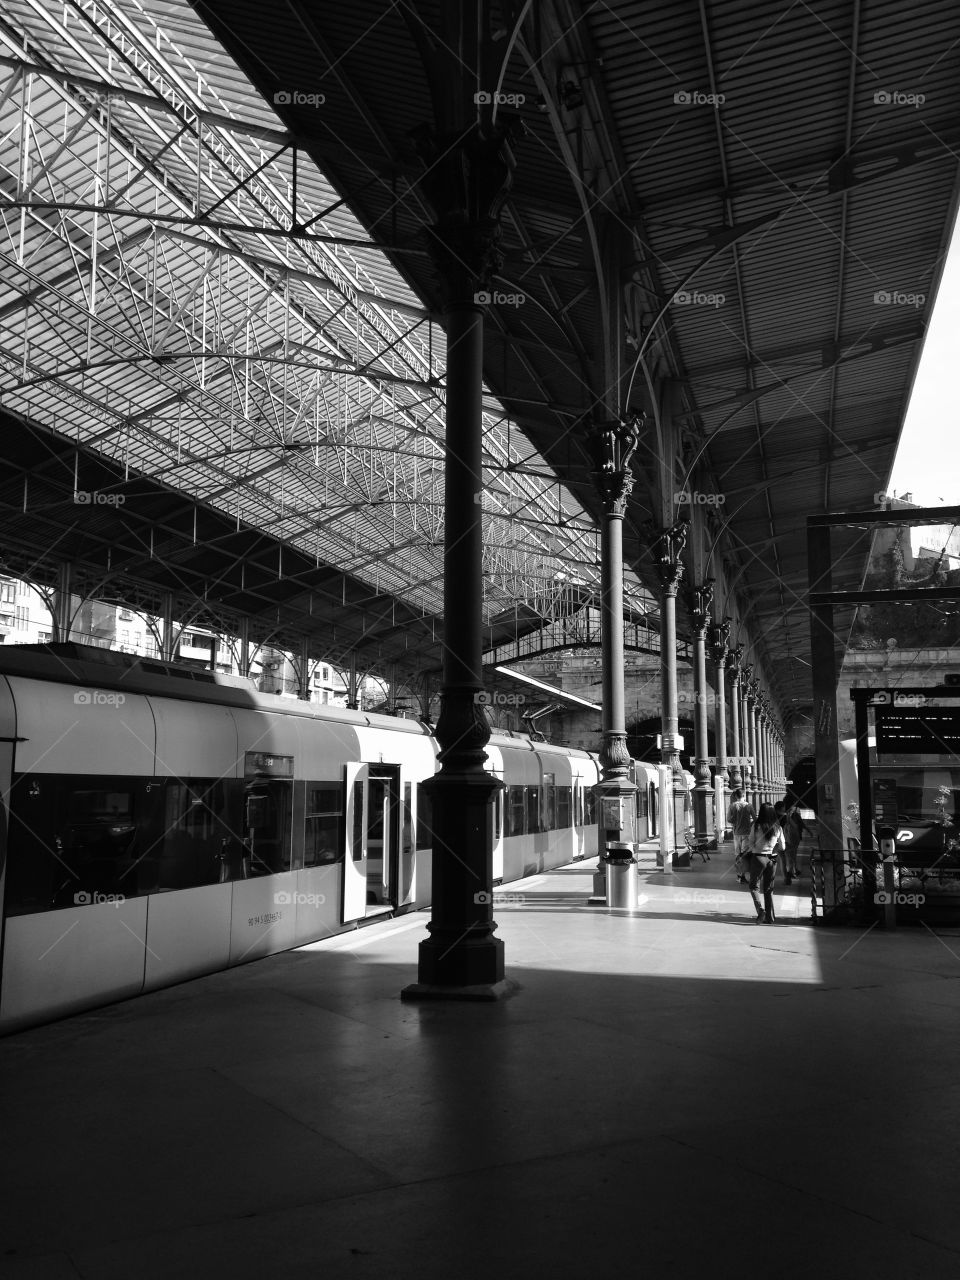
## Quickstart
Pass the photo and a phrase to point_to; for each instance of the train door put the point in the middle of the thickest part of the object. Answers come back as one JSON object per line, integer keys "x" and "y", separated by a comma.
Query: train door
{"x": 371, "y": 866}
{"x": 267, "y": 812}
{"x": 578, "y": 832}
{"x": 499, "y": 808}
{"x": 654, "y": 816}
{"x": 383, "y": 838}
{"x": 6, "y": 777}
{"x": 355, "y": 854}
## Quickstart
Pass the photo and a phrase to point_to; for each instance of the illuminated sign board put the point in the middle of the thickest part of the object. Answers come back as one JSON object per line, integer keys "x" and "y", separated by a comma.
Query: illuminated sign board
{"x": 918, "y": 731}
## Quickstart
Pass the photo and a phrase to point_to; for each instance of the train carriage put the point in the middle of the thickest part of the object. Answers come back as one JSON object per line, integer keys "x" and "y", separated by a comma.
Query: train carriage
{"x": 165, "y": 823}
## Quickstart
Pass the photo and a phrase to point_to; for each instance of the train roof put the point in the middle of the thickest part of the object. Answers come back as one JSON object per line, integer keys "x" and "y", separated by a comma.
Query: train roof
{"x": 523, "y": 741}
{"x": 88, "y": 665}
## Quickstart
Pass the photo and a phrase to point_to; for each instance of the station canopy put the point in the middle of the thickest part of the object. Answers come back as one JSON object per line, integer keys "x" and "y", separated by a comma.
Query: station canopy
{"x": 159, "y": 310}
{"x": 192, "y": 200}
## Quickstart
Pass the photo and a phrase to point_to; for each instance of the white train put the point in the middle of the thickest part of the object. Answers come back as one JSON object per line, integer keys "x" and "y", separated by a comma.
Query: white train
{"x": 161, "y": 823}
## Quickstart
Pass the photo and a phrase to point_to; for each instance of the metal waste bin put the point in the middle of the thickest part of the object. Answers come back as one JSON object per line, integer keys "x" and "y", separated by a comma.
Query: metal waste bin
{"x": 621, "y": 878}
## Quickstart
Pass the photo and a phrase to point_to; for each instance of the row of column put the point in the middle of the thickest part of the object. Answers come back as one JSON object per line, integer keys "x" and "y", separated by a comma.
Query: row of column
{"x": 756, "y": 762}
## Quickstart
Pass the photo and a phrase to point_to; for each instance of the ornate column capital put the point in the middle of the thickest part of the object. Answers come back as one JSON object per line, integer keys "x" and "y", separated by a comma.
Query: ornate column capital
{"x": 668, "y": 549}
{"x": 611, "y": 446}
{"x": 702, "y": 604}
{"x": 467, "y": 177}
{"x": 718, "y": 639}
{"x": 734, "y": 658}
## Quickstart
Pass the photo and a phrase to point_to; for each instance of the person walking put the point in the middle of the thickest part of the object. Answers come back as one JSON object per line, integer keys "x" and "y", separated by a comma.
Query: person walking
{"x": 740, "y": 819}
{"x": 792, "y": 826}
{"x": 766, "y": 843}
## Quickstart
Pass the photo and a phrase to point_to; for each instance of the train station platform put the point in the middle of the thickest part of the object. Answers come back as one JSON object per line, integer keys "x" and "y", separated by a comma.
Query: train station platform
{"x": 680, "y": 1092}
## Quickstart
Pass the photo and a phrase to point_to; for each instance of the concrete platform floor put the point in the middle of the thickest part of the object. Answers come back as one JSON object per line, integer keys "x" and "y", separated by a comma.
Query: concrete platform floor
{"x": 677, "y": 1093}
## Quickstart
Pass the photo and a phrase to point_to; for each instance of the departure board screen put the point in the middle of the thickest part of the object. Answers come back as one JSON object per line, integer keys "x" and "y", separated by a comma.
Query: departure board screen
{"x": 918, "y": 731}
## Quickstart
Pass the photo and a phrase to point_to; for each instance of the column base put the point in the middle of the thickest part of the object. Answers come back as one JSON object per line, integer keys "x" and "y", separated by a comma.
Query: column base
{"x": 472, "y": 957}
{"x": 483, "y": 991}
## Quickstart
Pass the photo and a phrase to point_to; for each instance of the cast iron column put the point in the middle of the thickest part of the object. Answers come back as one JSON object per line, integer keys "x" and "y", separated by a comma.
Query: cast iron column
{"x": 777, "y": 771}
{"x": 761, "y": 751}
{"x": 761, "y": 762}
{"x": 702, "y": 603}
{"x": 303, "y": 674}
{"x": 243, "y": 646}
{"x": 167, "y": 641}
{"x": 670, "y": 549}
{"x": 62, "y": 611}
{"x": 733, "y": 667}
{"x": 745, "y": 731}
{"x": 719, "y": 635}
{"x": 611, "y": 446}
{"x": 765, "y": 743}
{"x": 750, "y": 736}
{"x": 468, "y": 175}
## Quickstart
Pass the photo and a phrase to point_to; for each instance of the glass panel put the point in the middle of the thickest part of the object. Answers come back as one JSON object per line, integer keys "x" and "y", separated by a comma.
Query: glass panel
{"x": 407, "y": 833}
{"x": 197, "y": 845}
{"x": 357, "y": 842}
{"x": 267, "y": 823}
{"x": 590, "y": 807}
{"x": 323, "y": 840}
{"x": 533, "y": 809}
{"x": 549, "y": 799}
{"x": 424, "y": 818}
{"x": 564, "y": 807}
{"x": 76, "y": 841}
{"x": 517, "y": 801}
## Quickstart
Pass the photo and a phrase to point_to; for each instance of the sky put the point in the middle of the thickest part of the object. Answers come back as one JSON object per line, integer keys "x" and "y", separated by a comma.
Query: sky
{"x": 928, "y": 460}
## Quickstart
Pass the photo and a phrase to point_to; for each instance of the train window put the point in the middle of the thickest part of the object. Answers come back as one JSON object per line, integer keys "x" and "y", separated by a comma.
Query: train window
{"x": 357, "y": 836}
{"x": 74, "y": 841}
{"x": 407, "y": 817}
{"x": 533, "y": 809}
{"x": 99, "y": 806}
{"x": 549, "y": 799}
{"x": 424, "y": 818}
{"x": 323, "y": 833}
{"x": 564, "y": 807}
{"x": 516, "y": 811}
{"x": 589, "y": 807}
{"x": 199, "y": 844}
{"x": 96, "y": 845}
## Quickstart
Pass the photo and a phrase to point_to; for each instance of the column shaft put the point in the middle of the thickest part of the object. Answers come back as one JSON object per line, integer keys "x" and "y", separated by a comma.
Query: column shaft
{"x": 461, "y": 957}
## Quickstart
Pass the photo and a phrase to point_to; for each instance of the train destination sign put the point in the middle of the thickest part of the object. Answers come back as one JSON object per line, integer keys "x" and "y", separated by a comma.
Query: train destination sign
{"x": 918, "y": 731}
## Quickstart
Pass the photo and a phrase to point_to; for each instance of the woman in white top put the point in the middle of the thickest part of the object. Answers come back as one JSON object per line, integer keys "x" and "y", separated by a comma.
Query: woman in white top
{"x": 765, "y": 844}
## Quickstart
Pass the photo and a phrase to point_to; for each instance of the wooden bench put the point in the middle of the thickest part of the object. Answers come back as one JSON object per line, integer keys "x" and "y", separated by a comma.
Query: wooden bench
{"x": 697, "y": 844}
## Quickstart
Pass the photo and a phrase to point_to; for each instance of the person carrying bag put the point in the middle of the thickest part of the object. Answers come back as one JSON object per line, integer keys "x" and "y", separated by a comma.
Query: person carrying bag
{"x": 766, "y": 844}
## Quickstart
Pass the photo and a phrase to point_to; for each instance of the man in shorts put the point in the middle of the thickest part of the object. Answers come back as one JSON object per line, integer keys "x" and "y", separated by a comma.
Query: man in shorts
{"x": 740, "y": 818}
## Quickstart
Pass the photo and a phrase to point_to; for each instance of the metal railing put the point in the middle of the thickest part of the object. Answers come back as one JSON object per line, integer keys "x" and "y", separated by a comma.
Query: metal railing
{"x": 857, "y": 893}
